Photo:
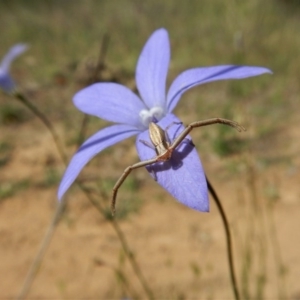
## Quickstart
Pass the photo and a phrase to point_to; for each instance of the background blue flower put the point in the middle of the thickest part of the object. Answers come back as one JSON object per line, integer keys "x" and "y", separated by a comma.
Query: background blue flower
{"x": 6, "y": 82}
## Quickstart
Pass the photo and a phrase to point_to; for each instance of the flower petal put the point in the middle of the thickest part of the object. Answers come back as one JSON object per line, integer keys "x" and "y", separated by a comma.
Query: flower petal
{"x": 110, "y": 101}
{"x": 197, "y": 76}
{"x": 95, "y": 144}
{"x": 12, "y": 54}
{"x": 182, "y": 176}
{"x": 6, "y": 82}
{"x": 152, "y": 69}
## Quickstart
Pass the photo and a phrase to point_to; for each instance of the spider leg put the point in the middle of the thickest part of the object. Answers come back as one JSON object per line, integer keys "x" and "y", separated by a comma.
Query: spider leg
{"x": 148, "y": 144}
{"x": 173, "y": 123}
{"x": 154, "y": 174}
{"x": 196, "y": 124}
{"x": 124, "y": 176}
{"x": 167, "y": 128}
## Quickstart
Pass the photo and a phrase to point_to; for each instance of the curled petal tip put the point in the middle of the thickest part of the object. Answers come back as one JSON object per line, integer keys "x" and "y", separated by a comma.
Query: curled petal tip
{"x": 19, "y": 48}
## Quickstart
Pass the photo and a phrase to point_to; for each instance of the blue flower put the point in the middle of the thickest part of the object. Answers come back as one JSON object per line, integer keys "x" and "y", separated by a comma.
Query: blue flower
{"x": 6, "y": 82}
{"x": 182, "y": 176}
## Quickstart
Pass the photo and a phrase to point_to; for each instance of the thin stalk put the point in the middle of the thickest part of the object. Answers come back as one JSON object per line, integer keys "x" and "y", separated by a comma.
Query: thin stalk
{"x": 125, "y": 247}
{"x": 42, "y": 249}
{"x": 99, "y": 66}
{"x": 281, "y": 278}
{"x": 57, "y": 214}
{"x": 46, "y": 122}
{"x": 228, "y": 240}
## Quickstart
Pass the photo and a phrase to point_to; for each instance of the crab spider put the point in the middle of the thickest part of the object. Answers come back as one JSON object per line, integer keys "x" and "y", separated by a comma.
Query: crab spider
{"x": 163, "y": 147}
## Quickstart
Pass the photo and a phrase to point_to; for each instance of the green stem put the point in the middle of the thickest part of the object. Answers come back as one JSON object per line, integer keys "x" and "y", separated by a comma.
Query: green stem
{"x": 46, "y": 122}
{"x": 56, "y": 217}
{"x": 42, "y": 249}
{"x": 228, "y": 240}
{"x": 125, "y": 247}
{"x": 99, "y": 66}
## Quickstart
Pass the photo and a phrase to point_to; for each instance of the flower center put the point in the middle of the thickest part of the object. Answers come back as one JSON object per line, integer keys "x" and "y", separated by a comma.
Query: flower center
{"x": 154, "y": 114}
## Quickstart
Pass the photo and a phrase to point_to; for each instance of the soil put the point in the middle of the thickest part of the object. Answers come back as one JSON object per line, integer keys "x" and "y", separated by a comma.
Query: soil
{"x": 180, "y": 252}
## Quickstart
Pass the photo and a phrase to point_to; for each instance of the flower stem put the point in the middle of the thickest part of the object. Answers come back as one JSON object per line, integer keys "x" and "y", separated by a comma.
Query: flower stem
{"x": 59, "y": 210}
{"x": 126, "y": 248}
{"x": 42, "y": 249}
{"x": 93, "y": 79}
{"x": 228, "y": 240}
{"x": 46, "y": 122}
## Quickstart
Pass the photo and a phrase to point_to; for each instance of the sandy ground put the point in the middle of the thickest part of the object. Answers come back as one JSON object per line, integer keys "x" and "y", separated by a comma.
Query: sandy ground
{"x": 181, "y": 253}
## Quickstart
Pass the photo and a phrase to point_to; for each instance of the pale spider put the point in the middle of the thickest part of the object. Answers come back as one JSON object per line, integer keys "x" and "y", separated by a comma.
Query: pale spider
{"x": 163, "y": 147}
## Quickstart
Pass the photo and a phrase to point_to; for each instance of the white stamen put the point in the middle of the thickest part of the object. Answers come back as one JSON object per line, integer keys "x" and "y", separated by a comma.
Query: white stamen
{"x": 156, "y": 113}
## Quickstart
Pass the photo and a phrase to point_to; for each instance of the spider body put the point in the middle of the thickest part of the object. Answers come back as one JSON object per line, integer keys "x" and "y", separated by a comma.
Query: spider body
{"x": 164, "y": 148}
{"x": 159, "y": 139}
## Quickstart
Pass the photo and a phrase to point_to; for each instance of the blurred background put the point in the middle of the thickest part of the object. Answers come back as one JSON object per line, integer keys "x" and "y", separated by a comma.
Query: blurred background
{"x": 180, "y": 252}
